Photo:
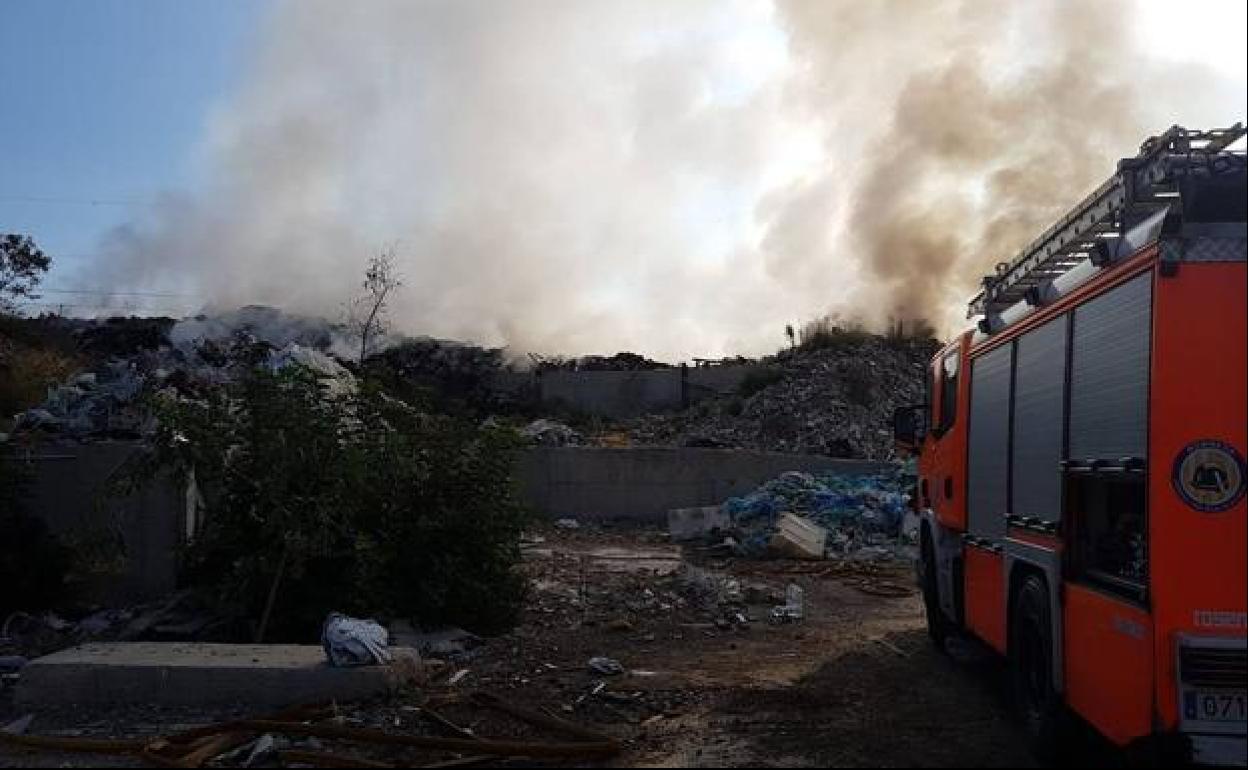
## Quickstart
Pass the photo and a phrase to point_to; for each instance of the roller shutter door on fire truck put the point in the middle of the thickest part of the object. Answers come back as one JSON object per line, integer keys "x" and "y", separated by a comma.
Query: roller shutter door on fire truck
{"x": 988, "y": 460}
{"x": 1039, "y": 420}
{"x": 1109, "y": 374}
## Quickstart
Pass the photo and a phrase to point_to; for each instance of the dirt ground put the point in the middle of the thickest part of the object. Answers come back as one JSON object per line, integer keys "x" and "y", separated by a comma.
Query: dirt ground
{"x": 854, "y": 683}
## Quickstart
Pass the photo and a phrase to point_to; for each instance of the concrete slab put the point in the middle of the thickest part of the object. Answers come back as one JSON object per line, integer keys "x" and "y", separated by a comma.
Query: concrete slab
{"x": 185, "y": 674}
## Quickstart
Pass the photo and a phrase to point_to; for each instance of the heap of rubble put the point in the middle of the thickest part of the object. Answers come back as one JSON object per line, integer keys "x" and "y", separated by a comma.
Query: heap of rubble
{"x": 139, "y": 357}
{"x": 860, "y": 516}
{"x": 833, "y": 401}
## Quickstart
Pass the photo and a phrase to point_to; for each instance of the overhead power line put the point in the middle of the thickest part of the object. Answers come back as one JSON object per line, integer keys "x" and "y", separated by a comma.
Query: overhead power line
{"x": 110, "y": 293}
{"x": 57, "y": 201}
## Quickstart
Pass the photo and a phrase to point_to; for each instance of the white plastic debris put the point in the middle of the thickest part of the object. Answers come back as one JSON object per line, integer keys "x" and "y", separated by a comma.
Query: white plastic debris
{"x": 606, "y": 666}
{"x": 568, "y": 524}
{"x": 354, "y": 642}
{"x": 550, "y": 433}
{"x": 794, "y": 607}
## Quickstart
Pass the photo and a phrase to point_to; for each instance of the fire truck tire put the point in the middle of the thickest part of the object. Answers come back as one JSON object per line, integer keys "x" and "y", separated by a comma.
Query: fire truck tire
{"x": 937, "y": 623}
{"x": 1031, "y": 667}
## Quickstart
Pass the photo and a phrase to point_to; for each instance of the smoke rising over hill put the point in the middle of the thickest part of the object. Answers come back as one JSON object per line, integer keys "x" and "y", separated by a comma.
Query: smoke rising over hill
{"x": 674, "y": 178}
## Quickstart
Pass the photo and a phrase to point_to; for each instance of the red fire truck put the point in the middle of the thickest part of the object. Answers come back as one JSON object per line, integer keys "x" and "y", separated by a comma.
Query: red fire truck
{"x": 1081, "y": 460}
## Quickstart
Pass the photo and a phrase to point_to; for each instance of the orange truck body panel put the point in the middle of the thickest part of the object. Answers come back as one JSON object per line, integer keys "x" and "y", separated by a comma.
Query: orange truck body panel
{"x": 1109, "y": 663}
{"x": 985, "y": 592}
{"x": 944, "y": 462}
{"x": 1200, "y": 378}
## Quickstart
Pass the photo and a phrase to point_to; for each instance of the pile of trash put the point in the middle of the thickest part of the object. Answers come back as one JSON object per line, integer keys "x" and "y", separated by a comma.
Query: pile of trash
{"x": 107, "y": 401}
{"x": 836, "y": 402}
{"x": 551, "y": 433}
{"x": 864, "y": 517}
{"x": 478, "y": 377}
{"x": 624, "y": 361}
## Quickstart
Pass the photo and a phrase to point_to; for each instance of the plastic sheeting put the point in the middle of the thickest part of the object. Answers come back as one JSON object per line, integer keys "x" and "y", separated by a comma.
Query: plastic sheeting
{"x": 852, "y": 508}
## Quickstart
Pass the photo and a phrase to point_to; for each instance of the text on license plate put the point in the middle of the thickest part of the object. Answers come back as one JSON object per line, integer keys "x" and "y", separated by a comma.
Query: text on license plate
{"x": 1215, "y": 706}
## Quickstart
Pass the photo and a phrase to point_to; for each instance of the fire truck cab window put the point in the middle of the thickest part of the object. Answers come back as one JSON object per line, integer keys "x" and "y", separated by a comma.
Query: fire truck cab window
{"x": 1111, "y": 533}
{"x": 948, "y": 391}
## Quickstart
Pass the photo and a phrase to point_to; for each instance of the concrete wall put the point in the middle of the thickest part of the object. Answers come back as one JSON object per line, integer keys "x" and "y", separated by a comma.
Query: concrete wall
{"x": 643, "y": 483}
{"x": 614, "y": 394}
{"x": 718, "y": 379}
{"x": 131, "y": 541}
{"x": 629, "y": 394}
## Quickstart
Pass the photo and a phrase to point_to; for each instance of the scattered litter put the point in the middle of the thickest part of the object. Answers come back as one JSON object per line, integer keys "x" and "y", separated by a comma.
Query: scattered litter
{"x": 264, "y": 747}
{"x": 551, "y": 433}
{"x": 793, "y": 609}
{"x": 354, "y": 642}
{"x": 19, "y": 726}
{"x": 457, "y": 677}
{"x": 445, "y": 643}
{"x": 606, "y": 666}
{"x": 568, "y": 524}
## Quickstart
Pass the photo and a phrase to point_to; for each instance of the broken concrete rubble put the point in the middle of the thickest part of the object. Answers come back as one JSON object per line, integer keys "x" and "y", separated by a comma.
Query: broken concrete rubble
{"x": 835, "y": 402}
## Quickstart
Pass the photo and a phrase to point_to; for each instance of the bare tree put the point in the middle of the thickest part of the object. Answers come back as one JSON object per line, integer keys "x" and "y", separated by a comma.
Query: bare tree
{"x": 367, "y": 313}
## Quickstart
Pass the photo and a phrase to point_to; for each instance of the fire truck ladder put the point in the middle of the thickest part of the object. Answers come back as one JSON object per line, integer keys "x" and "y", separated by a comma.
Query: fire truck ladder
{"x": 1141, "y": 186}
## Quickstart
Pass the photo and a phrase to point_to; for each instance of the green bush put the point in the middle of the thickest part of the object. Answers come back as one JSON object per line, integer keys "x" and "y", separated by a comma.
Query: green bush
{"x": 33, "y": 563}
{"x": 356, "y": 503}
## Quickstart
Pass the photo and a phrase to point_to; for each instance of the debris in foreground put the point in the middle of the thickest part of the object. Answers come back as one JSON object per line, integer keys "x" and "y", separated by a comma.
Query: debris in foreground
{"x": 354, "y": 642}
{"x": 199, "y": 746}
{"x": 859, "y": 516}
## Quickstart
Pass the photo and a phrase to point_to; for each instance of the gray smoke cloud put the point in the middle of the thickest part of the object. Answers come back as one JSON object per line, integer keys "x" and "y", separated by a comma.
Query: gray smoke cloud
{"x": 676, "y": 179}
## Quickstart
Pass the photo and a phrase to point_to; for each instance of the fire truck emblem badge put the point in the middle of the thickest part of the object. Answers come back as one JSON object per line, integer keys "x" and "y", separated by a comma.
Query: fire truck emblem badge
{"x": 1209, "y": 475}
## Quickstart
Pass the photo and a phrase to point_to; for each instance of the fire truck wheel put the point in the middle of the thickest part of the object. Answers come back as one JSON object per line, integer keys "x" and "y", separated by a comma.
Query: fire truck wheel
{"x": 937, "y": 623}
{"x": 1031, "y": 667}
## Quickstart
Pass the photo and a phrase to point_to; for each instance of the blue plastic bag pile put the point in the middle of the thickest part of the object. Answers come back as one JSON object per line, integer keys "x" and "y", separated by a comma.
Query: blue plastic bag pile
{"x": 852, "y": 508}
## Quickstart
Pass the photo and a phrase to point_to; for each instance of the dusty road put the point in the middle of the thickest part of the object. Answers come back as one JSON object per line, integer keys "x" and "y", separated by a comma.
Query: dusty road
{"x": 856, "y": 683}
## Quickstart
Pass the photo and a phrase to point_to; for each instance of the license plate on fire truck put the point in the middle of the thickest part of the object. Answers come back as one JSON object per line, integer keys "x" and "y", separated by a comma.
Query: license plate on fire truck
{"x": 1215, "y": 705}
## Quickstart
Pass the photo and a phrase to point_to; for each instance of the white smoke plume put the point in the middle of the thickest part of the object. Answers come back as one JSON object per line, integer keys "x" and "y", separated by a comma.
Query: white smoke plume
{"x": 673, "y": 178}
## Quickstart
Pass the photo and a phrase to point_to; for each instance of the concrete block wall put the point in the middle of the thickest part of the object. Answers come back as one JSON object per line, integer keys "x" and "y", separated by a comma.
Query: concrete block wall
{"x": 613, "y": 393}
{"x": 632, "y": 393}
{"x": 642, "y": 484}
{"x": 70, "y": 489}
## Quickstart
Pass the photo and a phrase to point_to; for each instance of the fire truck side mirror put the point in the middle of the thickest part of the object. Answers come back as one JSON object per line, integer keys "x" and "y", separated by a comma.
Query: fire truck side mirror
{"x": 910, "y": 426}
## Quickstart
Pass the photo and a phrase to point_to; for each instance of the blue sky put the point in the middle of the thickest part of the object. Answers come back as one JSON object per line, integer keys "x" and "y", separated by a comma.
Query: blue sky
{"x": 106, "y": 100}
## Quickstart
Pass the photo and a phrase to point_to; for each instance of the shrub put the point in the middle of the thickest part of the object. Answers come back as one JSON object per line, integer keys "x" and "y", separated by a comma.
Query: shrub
{"x": 354, "y": 503}
{"x": 26, "y": 372}
{"x": 903, "y": 334}
{"x": 830, "y": 332}
{"x": 33, "y": 563}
